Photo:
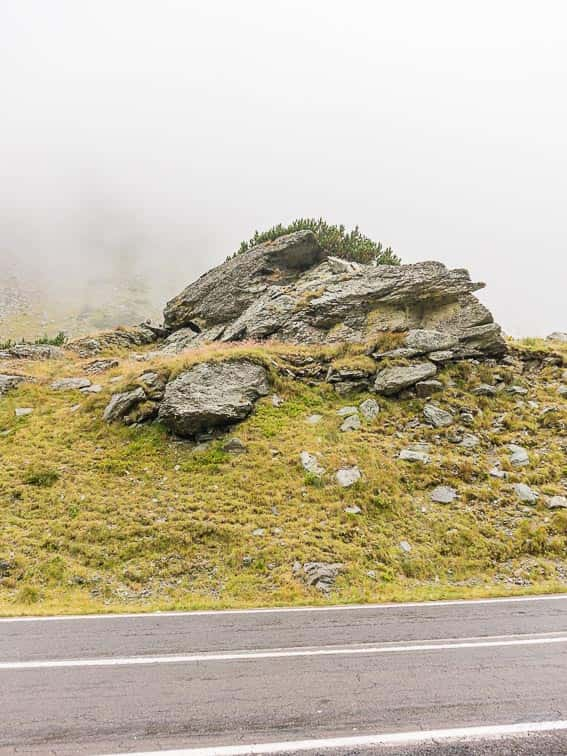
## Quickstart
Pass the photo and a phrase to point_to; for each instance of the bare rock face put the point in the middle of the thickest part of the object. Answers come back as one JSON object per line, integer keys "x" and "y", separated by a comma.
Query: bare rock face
{"x": 290, "y": 290}
{"x": 31, "y": 352}
{"x": 212, "y": 395}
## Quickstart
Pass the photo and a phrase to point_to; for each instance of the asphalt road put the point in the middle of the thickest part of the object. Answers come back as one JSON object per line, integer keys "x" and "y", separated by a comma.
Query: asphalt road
{"x": 338, "y": 680}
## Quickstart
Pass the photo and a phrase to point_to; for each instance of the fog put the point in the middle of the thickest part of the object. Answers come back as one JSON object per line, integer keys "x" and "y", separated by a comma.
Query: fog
{"x": 158, "y": 135}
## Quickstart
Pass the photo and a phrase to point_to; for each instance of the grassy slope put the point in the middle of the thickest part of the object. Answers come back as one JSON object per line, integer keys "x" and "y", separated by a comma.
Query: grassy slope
{"x": 97, "y": 517}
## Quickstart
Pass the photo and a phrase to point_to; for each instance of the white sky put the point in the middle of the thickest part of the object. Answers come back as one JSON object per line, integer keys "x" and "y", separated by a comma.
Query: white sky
{"x": 438, "y": 127}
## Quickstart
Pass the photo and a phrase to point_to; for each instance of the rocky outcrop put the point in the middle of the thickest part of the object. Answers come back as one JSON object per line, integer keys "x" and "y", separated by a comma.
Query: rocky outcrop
{"x": 119, "y": 338}
{"x": 212, "y": 395}
{"x": 290, "y": 290}
{"x": 31, "y": 352}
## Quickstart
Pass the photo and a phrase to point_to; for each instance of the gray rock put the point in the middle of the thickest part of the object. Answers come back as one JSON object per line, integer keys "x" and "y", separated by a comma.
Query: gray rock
{"x": 117, "y": 338}
{"x": 31, "y": 352}
{"x": 354, "y": 510}
{"x": 420, "y": 341}
{"x": 519, "y": 456}
{"x": 525, "y": 493}
{"x": 369, "y": 408}
{"x": 347, "y": 476}
{"x": 484, "y": 389}
{"x": 100, "y": 366}
{"x": 277, "y": 400}
{"x": 557, "y": 502}
{"x": 288, "y": 290}
{"x": 496, "y": 472}
{"x": 259, "y": 532}
{"x": 314, "y": 419}
{"x": 558, "y": 336}
{"x": 405, "y": 546}
{"x": 412, "y": 455}
{"x": 517, "y": 390}
{"x": 346, "y": 411}
{"x": 70, "y": 384}
{"x": 121, "y": 404}
{"x": 235, "y": 446}
{"x": 423, "y": 389}
{"x": 562, "y": 390}
{"x": 437, "y": 417}
{"x": 469, "y": 441}
{"x": 443, "y": 494}
{"x": 212, "y": 395}
{"x": 311, "y": 464}
{"x": 321, "y": 575}
{"x": 392, "y": 380}
{"x": 23, "y": 411}
{"x": 94, "y": 388}
{"x": 8, "y": 382}
{"x": 351, "y": 423}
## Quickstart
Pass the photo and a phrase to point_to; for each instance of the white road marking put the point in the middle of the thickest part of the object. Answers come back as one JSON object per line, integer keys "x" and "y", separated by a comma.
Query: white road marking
{"x": 365, "y": 741}
{"x": 287, "y": 609}
{"x": 121, "y": 661}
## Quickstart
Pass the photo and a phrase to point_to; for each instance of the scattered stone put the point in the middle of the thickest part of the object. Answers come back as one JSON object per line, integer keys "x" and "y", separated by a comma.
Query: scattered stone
{"x": 351, "y": 423}
{"x": 346, "y": 411}
{"x": 443, "y": 494}
{"x": 562, "y": 390}
{"x": 70, "y": 384}
{"x": 23, "y": 411}
{"x": 424, "y": 389}
{"x": 354, "y": 510}
{"x": 519, "y": 456}
{"x": 496, "y": 472}
{"x": 212, "y": 395}
{"x": 94, "y": 388}
{"x": 100, "y": 366}
{"x": 258, "y": 532}
{"x": 311, "y": 464}
{"x": 247, "y": 561}
{"x": 470, "y": 441}
{"x": 347, "y": 476}
{"x": 525, "y": 493}
{"x": 121, "y": 404}
{"x": 369, "y": 408}
{"x": 235, "y": 446}
{"x": 392, "y": 380}
{"x": 277, "y": 400}
{"x": 557, "y": 502}
{"x": 484, "y": 389}
{"x": 412, "y": 455}
{"x": 314, "y": 419}
{"x": 517, "y": 390}
{"x": 437, "y": 417}
{"x": 405, "y": 546}
{"x": 8, "y": 382}
{"x": 321, "y": 575}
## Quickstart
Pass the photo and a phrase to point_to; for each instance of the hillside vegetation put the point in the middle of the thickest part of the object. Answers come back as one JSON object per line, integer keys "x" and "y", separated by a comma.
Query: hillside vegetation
{"x": 98, "y": 516}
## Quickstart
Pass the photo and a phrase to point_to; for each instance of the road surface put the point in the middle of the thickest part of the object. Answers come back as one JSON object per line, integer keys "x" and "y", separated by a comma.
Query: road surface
{"x": 471, "y": 677}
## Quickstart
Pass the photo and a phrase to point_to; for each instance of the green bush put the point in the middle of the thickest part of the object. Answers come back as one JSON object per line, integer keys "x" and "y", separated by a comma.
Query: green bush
{"x": 350, "y": 245}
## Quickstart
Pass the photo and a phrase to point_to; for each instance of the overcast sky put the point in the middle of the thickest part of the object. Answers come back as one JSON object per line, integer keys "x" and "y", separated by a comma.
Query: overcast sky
{"x": 439, "y": 128}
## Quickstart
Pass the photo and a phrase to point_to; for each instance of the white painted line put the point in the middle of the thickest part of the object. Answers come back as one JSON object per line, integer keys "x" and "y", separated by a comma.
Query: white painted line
{"x": 289, "y": 609}
{"x": 123, "y": 661}
{"x": 366, "y": 741}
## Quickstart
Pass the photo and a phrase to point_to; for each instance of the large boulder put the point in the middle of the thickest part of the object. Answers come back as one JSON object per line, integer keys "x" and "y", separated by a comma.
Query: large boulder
{"x": 212, "y": 395}
{"x": 31, "y": 352}
{"x": 290, "y": 291}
